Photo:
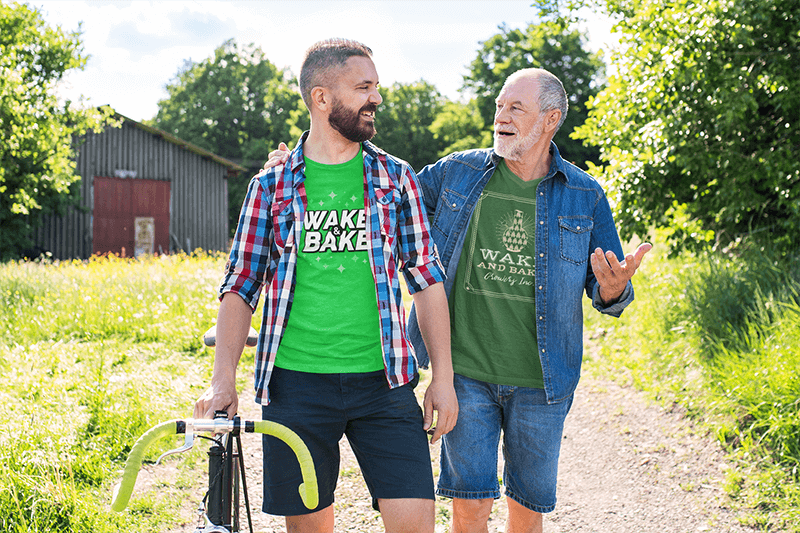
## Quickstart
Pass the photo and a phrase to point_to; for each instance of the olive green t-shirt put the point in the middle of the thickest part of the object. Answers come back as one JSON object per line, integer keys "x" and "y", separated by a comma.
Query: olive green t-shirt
{"x": 492, "y": 306}
{"x": 334, "y": 324}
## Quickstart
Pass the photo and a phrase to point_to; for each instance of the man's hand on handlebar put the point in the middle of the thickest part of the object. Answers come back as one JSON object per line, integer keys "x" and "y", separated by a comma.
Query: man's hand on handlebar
{"x": 217, "y": 398}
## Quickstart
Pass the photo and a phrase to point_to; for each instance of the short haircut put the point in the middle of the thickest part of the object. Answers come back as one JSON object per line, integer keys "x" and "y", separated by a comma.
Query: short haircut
{"x": 322, "y": 59}
{"x": 551, "y": 91}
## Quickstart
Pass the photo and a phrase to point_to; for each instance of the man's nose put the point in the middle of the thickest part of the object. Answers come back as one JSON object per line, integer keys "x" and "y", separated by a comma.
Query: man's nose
{"x": 376, "y": 97}
{"x": 501, "y": 115}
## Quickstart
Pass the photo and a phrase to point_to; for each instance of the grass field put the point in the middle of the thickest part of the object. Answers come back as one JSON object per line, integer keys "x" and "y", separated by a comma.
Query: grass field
{"x": 93, "y": 353}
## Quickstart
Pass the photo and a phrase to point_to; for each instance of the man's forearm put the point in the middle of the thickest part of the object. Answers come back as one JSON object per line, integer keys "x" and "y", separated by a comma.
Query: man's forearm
{"x": 233, "y": 325}
{"x": 434, "y": 324}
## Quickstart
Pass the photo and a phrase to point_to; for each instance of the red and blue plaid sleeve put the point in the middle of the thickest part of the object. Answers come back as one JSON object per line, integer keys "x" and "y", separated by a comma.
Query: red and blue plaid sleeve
{"x": 421, "y": 265}
{"x": 248, "y": 264}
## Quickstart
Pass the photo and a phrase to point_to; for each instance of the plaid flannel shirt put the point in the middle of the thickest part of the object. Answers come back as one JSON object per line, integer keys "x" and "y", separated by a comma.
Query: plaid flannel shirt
{"x": 264, "y": 254}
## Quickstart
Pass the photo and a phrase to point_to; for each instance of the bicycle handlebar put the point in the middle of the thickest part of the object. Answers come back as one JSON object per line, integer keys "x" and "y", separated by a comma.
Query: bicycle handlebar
{"x": 308, "y": 489}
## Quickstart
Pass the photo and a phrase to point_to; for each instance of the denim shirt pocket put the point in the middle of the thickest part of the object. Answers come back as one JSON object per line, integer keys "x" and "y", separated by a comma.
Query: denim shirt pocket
{"x": 450, "y": 205}
{"x": 575, "y": 234}
{"x": 283, "y": 222}
{"x": 386, "y": 202}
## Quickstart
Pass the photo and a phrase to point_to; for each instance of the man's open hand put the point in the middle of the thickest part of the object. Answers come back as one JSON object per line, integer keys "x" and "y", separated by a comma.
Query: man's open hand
{"x": 612, "y": 275}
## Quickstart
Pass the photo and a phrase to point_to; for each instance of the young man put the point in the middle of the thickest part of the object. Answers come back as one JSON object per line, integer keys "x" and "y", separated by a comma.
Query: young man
{"x": 325, "y": 235}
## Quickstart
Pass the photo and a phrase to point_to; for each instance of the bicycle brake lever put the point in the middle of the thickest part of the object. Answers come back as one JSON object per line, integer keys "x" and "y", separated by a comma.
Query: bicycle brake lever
{"x": 187, "y": 444}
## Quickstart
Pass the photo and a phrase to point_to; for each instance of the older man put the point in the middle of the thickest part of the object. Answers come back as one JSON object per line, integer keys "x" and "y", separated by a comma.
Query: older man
{"x": 326, "y": 235}
{"x": 522, "y": 234}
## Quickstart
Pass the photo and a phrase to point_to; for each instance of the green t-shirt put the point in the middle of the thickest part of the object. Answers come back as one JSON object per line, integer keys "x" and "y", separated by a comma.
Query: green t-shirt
{"x": 334, "y": 325}
{"x": 492, "y": 306}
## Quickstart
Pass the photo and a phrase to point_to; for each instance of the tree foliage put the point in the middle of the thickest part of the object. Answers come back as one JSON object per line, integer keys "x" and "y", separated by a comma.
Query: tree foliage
{"x": 236, "y": 104}
{"x": 699, "y": 126}
{"x": 404, "y": 119}
{"x": 550, "y": 45}
{"x": 460, "y": 127}
{"x": 38, "y": 133}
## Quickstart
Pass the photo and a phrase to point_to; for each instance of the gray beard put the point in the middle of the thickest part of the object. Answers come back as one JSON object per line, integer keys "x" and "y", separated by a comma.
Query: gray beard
{"x": 518, "y": 148}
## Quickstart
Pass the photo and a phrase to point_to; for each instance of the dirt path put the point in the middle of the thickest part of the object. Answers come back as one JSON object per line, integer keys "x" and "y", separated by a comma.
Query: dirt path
{"x": 627, "y": 466}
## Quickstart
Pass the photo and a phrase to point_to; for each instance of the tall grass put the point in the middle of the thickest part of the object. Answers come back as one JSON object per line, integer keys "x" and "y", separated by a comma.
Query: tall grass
{"x": 92, "y": 354}
{"x": 721, "y": 336}
{"x": 161, "y": 298}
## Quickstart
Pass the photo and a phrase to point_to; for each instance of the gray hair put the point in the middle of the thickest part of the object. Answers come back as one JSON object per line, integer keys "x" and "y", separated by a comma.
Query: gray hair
{"x": 551, "y": 91}
{"x": 322, "y": 59}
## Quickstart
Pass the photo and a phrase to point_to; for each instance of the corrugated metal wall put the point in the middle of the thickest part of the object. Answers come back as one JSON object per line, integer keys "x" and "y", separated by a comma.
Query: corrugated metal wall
{"x": 199, "y": 194}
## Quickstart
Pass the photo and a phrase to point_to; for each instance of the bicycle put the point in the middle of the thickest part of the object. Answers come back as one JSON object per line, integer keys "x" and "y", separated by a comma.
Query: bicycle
{"x": 220, "y": 506}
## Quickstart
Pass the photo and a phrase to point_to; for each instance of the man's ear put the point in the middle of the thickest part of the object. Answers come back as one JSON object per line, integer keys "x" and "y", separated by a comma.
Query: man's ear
{"x": 552, "y": 119}
{"x": 320, "y": 98}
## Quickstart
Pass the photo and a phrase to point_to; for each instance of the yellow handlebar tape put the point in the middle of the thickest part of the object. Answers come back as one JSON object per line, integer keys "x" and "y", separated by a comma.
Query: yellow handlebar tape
{"x": 122, "y": 492}
{"x": 309, "y": 491}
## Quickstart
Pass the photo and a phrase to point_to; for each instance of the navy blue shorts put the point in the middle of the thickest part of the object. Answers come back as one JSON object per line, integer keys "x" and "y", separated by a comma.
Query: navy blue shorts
{"x": 383, "y": 426}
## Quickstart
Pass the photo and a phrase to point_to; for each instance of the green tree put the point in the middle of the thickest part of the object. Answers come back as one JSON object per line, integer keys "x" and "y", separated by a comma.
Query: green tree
{"x": 698, "y": 127}
{"x": 236, "y": 104}
{"x": 404, "y": 119}
{"x": 38, "y": 133}
{"x": 554, "y": 47}
{"x": 460, "y": 127}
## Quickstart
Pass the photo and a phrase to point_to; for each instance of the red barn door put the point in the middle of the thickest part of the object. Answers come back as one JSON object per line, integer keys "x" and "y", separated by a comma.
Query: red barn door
{"x": 118, "y": 205}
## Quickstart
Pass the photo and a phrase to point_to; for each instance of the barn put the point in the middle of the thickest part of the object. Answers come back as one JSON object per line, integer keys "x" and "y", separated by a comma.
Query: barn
{"x": 142, "y": 190}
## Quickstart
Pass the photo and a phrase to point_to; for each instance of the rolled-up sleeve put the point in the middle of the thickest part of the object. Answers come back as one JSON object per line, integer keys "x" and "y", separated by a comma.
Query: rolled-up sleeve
{"x": 421, "y": 265}
{"x": 248, "y": 264}
{"x": 605, "y": 237}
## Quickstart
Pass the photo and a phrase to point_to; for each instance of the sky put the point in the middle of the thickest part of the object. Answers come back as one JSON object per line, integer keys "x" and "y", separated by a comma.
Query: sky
{"x": 136, "y": 48}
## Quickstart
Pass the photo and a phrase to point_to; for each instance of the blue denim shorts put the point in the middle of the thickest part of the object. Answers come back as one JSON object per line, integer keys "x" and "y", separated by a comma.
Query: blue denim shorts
{"x": 383, "y": 426}
{"x": 532, "y": 431}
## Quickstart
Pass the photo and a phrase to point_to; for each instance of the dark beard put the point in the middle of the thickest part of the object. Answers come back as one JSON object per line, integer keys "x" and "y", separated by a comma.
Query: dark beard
{"x": 349, "y": 124}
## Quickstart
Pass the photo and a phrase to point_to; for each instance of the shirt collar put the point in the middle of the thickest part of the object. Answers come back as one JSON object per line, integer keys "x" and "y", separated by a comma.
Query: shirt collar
{"x": 557, "y": 165}
{"x": 296, "y": 160}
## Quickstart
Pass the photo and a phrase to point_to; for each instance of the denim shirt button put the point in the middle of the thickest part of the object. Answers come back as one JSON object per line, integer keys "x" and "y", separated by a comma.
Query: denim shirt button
{"x": 541, "y": 287}
{"x": 541, "y": 255}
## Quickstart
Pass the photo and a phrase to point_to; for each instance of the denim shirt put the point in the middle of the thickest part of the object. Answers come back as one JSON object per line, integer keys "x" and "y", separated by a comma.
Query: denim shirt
{"x": 573, "y": 218}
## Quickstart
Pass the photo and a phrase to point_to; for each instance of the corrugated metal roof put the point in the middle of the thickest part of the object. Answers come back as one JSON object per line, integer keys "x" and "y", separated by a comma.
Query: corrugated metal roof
{"x": 184, "y": 144}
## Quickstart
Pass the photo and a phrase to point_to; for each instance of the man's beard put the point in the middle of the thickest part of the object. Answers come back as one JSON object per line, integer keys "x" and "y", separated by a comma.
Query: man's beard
{"x": 349, "y": 124}
{"x": 517, "y": 148}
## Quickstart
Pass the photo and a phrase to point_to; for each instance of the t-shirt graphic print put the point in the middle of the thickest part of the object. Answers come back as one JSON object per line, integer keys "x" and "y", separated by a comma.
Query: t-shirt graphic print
{"x": 492, "y": 303}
